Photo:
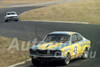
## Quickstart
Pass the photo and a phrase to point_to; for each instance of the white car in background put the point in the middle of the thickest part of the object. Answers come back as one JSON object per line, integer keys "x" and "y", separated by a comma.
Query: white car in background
{"x": 11, "y": 16}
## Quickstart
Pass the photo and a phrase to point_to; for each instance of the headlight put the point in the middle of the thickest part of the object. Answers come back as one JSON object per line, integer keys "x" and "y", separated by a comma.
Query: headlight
{"x": 57, "y": 53}
{"x": 32, "y": 51}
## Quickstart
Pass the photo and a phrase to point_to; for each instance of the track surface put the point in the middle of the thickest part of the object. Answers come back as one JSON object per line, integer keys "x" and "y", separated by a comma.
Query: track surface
{"x": 30, "y": 30}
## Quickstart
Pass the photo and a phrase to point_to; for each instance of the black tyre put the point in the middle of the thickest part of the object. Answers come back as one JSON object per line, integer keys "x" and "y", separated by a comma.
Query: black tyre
{"x": 16, "y": 20}
{"x": 66, "y": 61}
{"x": 85, "y": 54}
{"x": 36, "y": 62}
{"x": 6, "y": 20}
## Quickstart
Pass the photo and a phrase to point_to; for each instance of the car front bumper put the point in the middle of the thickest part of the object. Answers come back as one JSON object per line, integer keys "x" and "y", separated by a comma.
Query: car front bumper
{"x": 11, "y": 18}
{"x": 46, "y": 58}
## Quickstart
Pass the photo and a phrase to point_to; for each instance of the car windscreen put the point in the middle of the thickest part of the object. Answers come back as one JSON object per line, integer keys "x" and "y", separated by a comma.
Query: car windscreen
{"x": 57, "y": 38}
{"x": 11, "y": 13}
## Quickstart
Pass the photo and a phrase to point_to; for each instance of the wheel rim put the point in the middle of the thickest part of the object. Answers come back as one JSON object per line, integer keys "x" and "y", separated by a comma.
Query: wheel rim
{"x": 86, "y": 54}
{"x": 67, "y": 60}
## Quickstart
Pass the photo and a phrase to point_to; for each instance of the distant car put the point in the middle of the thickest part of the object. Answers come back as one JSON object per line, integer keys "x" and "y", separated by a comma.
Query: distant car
{"x": 60, "y": 45}
{"x": 11, "y": 16}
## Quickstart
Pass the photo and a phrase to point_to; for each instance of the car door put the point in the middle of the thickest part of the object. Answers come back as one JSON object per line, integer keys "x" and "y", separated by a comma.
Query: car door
{"x": 81, "y": 43}
{"x": 75, "y": 45}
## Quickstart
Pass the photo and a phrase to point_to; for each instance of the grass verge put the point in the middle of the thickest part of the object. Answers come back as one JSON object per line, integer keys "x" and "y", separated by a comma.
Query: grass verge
{"x": 84, "y": 11}
{"x": 5, "y": 2}
{"x": 13, "y": 56}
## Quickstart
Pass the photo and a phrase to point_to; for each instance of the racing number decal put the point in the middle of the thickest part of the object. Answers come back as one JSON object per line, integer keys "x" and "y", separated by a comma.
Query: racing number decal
{"x": 74, "y": 50}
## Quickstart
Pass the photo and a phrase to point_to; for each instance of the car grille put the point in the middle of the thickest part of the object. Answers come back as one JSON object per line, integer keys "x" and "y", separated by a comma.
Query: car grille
{"x": 43, "y": 52}
{"x": 12, "y": 17}
{"x": 46, "y": 52}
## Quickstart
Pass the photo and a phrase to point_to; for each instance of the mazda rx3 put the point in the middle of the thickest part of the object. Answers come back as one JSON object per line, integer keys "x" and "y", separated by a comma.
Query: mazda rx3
{"x": 60, "y": 46}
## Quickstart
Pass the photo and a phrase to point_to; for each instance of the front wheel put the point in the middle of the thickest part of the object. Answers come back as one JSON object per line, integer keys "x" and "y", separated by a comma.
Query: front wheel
{"x": 36, "y": 62}
{"x": 85, "y": 54}
{"x": 66, "y": 61}
{"x": 6, "y": 20}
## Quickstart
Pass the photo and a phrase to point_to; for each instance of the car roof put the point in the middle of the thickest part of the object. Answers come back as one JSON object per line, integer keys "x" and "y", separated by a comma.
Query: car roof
{"x": 63, "y": 32}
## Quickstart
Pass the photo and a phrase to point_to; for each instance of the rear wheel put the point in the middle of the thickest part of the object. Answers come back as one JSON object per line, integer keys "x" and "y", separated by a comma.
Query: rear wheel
{"x": 16, "y": 20}
{"x": 66, "y": 61}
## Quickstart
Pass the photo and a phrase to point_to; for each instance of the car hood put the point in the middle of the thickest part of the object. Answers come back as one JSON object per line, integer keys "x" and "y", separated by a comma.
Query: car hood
{"x": 11, "y": 15}
{"x": 50, "y": 46}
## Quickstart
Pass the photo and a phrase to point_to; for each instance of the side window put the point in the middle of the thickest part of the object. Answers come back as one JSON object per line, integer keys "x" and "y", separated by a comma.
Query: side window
{"x": 74, "y": 38}
{"x": 79, "y": 37}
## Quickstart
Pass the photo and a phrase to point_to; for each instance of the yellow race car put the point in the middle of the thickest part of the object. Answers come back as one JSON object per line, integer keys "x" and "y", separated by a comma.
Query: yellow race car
{"x": 60, "y": 45}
